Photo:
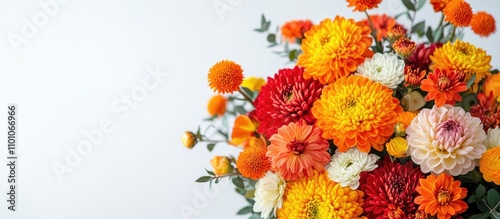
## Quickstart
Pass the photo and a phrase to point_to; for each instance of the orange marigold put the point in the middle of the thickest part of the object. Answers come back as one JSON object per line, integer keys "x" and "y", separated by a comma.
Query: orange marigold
{"x": 483, "y": 24}
{"x": 489, "y": 165}
{"x": 441, "y": 195}
{"x": 217, "y": 105}
{"x": 404, "y": 47}
{"x": 458, "y": 13}
{"x": 253, "y": 163}
{"x": 225, "y": 76}
{"x": 439, "y": 5}
{"x": 294, "y": 30}
{"x": 363, "y": 5}
{"x": 325, "y": 57}
{"x": 443, "y": 86}
{"x": 356, "y": 111}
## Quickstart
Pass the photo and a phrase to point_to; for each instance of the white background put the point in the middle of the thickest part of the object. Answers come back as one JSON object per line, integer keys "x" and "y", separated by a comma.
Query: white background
{"x": 66, "y": 78}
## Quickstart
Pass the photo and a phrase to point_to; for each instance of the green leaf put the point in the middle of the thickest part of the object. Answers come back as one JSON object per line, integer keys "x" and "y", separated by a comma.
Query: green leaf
{"x": 419, "y": 27}
{"x": 211, "y": 146}
{"x": 271, "y": 38}
{"x": 471, "y": 81}
{"x": 247, "y": 91}
{"x": 262, "y": 21}
{"x": 241, "y": 191}
{"x": 210, "y": 172}
{"x": 204, "y": 179}
{"x": 409, "y": 5}
{"x": 480, "y": 191}
{"x": 292, "y": 55}
{"x": 255, "y": 216}
{"x": 266, "y": 26}
{"x": 480, "y": 216}
{"x": 238, "y": 182}
{"x": 493, "y": 198}
{"x": 250, "y": 194}
{"x": 494, "y": 71}
{"x": 421, "y": 4}
{"x": 429, "y": 34}
{"x": 400, "y": 14}
{"x": 240, "y": 109}
{"x": 245, "y": 210}
{"x": 438, "y": 34}
{"x": 468, "y": 101}
{"x": 472, "y": 199}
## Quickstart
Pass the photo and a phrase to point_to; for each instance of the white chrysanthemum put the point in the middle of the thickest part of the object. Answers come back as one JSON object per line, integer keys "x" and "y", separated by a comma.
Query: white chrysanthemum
{"x": 385, "y": 68}
{"x": 346, "y": 167}
{"x": 445, "y": 139}
{"x": 269, "y": 192}
{"x": 492, "y": 138}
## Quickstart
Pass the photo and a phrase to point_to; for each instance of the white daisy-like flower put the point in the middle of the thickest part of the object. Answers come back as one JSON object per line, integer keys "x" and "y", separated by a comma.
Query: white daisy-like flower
{"x": 492, "y": 138}
{"x": 269, "y": 192}
{"x": 385, "y": 68}
{"x": 346, "y": 167}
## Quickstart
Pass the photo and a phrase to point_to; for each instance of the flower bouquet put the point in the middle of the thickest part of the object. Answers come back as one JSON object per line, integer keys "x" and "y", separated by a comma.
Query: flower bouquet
{"x": 376, "y": 119}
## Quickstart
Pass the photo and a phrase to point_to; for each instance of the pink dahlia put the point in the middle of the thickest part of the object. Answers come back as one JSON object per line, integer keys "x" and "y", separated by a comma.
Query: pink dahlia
{"x": 287, "y": 97}
{"x": 445, "y": 139}
{"x": 390, "y": 190}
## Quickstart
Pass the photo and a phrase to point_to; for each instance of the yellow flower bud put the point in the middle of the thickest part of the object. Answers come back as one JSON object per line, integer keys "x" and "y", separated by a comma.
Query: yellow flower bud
{"x": 188, "y": 139}
{"x": 221, "y": 165}
{"x": 400, "y": 129}
{"x": 397, "y": 147}
{"x": 253, "y": 83}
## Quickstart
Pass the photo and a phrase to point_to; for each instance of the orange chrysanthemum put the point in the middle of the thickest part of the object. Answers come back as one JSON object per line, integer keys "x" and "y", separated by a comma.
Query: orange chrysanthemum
{"x": 217, "y": 105}
{"x": 396, "y": 31}
{"x": 404, "y": 47}
{"x": 325, "y": 57}
{"x": 225, "y": 76}
{"x": 253, "y": 163}
{"x": 363, "y": 5}
{"x": 441, "y": 195}
{"x": 464, "y": 57}
{"x": 406, "y": 117}
{"x": 438, "y": 5}
{"x": 381, "y": 24}
{"x": 443, "y": 86}
{"x": 294, "y": 30}
{"x": 243, "y": 129}
{"x": 356, "y": 111}
{"x": 483, "y": 24}
{"x": 489, "y": 165}
{"x": 458, "y": 13}
{"x": 297, "y": 150}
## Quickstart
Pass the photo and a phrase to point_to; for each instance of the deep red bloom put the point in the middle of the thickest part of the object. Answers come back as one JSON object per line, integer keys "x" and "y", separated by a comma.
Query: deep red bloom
{"x": 390, "y": 190}
{"x": 443, "y": 86}
{"x": 287, "y": 97}
{"x": 420, "y": 58}
{"x": 487, "y": 110}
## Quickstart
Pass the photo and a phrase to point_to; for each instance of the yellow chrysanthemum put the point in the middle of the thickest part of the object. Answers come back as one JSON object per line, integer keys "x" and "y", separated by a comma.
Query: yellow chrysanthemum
{"x": 397, "y": 147}
{"x": 318, "y": 197}
{"x": 225, "y": 76}
{"x": 489, "y": 165}
{"x": 462, "y": 56}
{"x": 357, "y": 112}
{"x": 253, "y": 83}
{"x": 334, "y": 49}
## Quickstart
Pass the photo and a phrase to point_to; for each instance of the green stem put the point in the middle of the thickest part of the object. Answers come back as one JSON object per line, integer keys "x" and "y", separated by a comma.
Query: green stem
{"x": 378, "y": 44}
{"x": 440, "y": 25}
{"x": 247, "y": 98}
{"x": 453, "y": 33}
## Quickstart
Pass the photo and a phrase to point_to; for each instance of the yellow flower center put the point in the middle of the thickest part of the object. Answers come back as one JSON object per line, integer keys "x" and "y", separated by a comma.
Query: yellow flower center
{"x": 443, "y": 196}
{"x": 311, "y": 211}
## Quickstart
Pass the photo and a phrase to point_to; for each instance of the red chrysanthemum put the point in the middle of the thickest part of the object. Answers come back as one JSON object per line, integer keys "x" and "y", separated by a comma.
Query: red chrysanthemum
{"x": 487, "y": 110}
{"x": 443, "y": 86}
{"x": 287, "y": 97}
{"x": 390, "y": 190}
{"x": 420, "y": 58}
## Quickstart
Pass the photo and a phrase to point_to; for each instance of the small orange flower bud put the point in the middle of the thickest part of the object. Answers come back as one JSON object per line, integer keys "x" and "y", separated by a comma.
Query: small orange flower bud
{"x": 396, "y": 32}
{"x": 404, "y": 47}
{"x": 221, "y": 165}
{"x": 397, "y": 147}
{"x": 492, "y": 84}
{"x": 188, "y": 139}
{"x": 217, "y": 105}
